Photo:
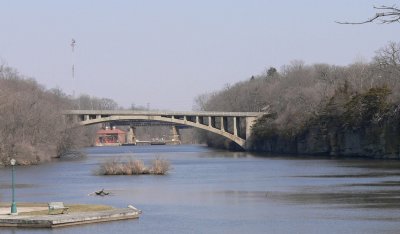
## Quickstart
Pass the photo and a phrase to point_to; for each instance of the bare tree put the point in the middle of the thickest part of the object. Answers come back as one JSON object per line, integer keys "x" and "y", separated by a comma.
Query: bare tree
{"x": 32, "y": 127}
{"x": 389, "y": 56}
{"x": 386, "y": 15}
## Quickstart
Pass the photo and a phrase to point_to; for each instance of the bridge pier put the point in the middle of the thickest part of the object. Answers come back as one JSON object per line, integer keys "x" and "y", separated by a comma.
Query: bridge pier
{"x": 176, "y": 138}
{"x": 131, "y": 136}
{"x": 249, "y": 123}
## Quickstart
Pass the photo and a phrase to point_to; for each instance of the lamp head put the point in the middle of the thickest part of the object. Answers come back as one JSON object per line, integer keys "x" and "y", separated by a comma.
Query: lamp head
{"x": 13, "y": 161}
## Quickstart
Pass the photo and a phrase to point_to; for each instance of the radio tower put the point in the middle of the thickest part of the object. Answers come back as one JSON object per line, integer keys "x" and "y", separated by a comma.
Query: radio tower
{"x": 73, "y": 67}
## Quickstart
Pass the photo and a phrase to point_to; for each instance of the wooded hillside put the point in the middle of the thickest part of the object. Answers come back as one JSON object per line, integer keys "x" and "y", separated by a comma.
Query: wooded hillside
{"x": 299, "y": 95}
{"x": 32, "y": 128}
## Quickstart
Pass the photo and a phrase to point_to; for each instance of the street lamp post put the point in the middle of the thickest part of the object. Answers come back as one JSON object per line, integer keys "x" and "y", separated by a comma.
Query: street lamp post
{"x": 13, "y": 205}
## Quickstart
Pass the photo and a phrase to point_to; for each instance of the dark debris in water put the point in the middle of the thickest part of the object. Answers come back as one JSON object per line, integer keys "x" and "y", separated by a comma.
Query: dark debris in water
{"x": 101, "y": 193}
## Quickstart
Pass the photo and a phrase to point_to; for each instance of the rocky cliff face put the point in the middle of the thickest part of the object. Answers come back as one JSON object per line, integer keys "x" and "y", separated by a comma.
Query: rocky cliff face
{"x": 361, "y": 124}
{"x": 374, "y": 141}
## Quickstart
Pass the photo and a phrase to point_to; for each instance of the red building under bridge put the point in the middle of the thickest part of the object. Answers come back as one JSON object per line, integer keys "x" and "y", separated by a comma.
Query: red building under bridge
{"x": 112, "y": 136}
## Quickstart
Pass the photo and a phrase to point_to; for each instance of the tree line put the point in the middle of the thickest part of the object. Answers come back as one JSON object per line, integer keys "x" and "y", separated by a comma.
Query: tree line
{"x": 299, "y": 93}
{"x": 32, "y": 127}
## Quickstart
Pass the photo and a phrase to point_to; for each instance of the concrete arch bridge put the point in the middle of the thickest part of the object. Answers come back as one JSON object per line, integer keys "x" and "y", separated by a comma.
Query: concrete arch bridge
{"x": 236, "y": 126}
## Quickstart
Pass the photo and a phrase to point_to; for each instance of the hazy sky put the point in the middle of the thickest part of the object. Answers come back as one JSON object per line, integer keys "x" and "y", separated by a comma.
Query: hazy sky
{"x": 165, "y": 53}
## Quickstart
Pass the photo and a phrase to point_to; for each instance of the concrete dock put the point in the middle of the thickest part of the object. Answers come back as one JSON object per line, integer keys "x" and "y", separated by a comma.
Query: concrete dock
{"x": 52, "y": 221}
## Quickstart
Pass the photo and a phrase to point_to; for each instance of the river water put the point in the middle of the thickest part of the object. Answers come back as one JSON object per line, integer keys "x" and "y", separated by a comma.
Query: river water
{"x": 213, "y": 191}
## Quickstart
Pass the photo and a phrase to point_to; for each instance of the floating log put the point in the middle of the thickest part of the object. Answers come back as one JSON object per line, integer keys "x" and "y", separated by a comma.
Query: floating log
{"x": 102, "y": 193}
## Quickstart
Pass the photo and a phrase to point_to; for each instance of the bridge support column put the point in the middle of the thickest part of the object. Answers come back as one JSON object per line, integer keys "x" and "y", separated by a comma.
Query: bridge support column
{"x": 211, "y": 121}
{"x": 249, "y": 123}
{"x": 131, "y": 136}
{"x": 176, "y": 138}
{"x": 224, "y": 124}
{"x": 235, "y": 126}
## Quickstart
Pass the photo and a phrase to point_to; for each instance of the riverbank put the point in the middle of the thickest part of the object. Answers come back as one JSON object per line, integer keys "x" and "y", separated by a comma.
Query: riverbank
{"x": 378, "y": 141}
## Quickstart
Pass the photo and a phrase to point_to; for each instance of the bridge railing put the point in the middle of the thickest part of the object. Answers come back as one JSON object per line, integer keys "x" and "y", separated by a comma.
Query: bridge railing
{"x": 165, "y": 113}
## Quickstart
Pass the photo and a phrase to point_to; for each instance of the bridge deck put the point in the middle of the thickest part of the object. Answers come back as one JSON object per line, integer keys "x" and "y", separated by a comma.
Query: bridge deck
{"x": 140, "y": 123}
{"x": 163, "y": 113}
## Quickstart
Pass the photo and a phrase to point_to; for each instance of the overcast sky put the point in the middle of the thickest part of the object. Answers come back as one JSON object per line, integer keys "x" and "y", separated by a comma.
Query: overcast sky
{"x": 165, "y": 53}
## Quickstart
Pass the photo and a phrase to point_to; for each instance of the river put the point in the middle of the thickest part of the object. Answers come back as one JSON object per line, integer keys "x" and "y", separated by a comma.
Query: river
{"x": 214, "y": 191}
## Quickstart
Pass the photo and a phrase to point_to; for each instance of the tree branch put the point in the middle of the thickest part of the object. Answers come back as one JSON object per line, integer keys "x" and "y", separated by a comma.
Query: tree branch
{"x": 389, "y": 14}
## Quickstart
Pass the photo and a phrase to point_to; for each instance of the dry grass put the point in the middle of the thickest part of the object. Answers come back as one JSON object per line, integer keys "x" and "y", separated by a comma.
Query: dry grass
{"x": 159, "y": 166}
{"x": 115, "y": 167}
{"x": 134, "y": 167}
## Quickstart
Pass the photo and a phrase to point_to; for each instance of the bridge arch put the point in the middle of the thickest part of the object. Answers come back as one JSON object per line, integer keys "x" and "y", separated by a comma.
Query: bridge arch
{"x": 192, "y": 119}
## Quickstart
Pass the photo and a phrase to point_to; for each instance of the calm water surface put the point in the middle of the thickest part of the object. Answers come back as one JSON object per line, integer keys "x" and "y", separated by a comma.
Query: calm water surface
{"x": 211, "y": 191}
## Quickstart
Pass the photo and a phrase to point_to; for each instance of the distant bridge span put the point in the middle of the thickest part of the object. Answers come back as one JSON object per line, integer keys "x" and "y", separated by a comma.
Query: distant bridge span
{"x": 235, "y": 126}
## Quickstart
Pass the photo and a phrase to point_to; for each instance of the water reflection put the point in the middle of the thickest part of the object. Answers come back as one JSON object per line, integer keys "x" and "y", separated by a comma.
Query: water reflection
{"x": 358, "y": 175}
{"x": 365, "y": 199}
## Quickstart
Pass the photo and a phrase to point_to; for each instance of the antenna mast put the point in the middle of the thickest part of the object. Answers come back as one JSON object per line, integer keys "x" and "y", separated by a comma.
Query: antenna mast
{"x": 73, "y": 66}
